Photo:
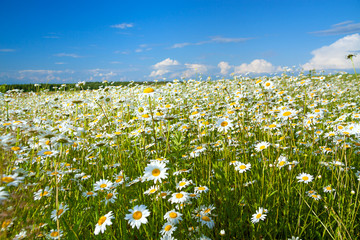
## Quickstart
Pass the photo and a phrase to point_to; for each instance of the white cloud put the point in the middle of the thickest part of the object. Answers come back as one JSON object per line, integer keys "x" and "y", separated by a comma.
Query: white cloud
{"x": 123, "y": 25}
{"x": 256, "y": 66}
{"x": 7, "y": 50}
{"x": 173, "y": 68}
{"x": 346, "y": 27}
{"x": 224, "y": 67}
{"x": 67, "y": 55}
{"x": 334, "y": 55}
{"x": 193, "y": 69}
{"x": 216, "y": 39}
{"x": 163, "y": 67}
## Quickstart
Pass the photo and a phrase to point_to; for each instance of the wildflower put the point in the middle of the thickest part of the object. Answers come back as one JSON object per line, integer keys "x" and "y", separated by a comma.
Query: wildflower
{"x": 259, "y": 215}
{"x": 110, "y": 197}
{"x": 3, "y": 194}
{"x": 242, "y": 167}
{"x": 294, "y": 238}
{"x": 168, "y": 229}
{"x": 286, "y": 114}
{"x": 206, "y": 220}
{"x": 180, "y": 197}
{"x": 173, "y": 216}
{"x": 183, "y": 183}
{"x": 103, "y": 184}
{"x": 12, "y": 180}
{"x": 328, "y": 189}
{"x": 155, "y": 171}
{"x": 261, "y": 146}
{"x": 223, "y": 125}
{"x": 42, "y": 193}
{"x": 55, "y": 234}
{"x": 201, "y": 189}
{"x": 316, "y": 196}
{"x": 103, "y": 222}
{"x": 281, "y": 162}
{"x": 56, "y": 214}
{"x": 305, "y": 178}
{"x": 21, "y": 235}
{"x": 137, "y": 216}
{"x": 222, "y": 232}
{"x": 89, "y": 194}
{"x": 151, "y": 190}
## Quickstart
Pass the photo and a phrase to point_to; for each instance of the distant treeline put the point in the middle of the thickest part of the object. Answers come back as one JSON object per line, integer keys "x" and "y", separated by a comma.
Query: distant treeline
{"x": 68, "y": 86}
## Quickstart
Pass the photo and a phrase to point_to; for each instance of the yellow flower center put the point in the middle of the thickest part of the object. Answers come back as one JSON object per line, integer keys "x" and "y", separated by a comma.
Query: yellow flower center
{"x": 262, "y": 147}
{"x": 258, "y": 216}
{"x": 110, "y": 195}
{"x": 272, "y": 125}
{"x": 59, "y": 212}
{"x": 224, "y": 124}
{"x": 15, "y": 148}
{"x": 288, "y": 113}
{"x": 101, "y": 220}
{"x": 305, "y": 178}
{"x": 137, "y": 215}
{"x": 201, "y": 188}
{"x": 43, "y": 194}
{"x": 145, "y": 115}
{"x": 89, "y": 193}
{"x": 179, "y": 195}
{"x": 155, "y": 172}
{"x": 281, "y": 163}
{"x": 267, "y": 84}
{"x": 5, "y": 223}
{"x": 48, "y": 153}
{"x": 148, "y": 90}
{"x": 242, "y": 167}
{"x": 173, "y": 215}
{"x": 205, "y": 218}
{"x": 54, "y": 234}
{"x": 8, "y": 179}
{"x": 103, "y": 185}
{"x": 152, "y": 190}
{"x": 182, "y": 184}
{"x": 167, "y": 228}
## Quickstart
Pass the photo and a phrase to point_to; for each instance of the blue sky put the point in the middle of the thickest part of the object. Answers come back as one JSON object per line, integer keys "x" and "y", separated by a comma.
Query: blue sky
{"x": 71, "y": 41}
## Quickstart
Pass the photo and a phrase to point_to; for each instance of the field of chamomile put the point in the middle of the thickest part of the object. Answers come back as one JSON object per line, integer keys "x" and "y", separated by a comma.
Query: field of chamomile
{"x": 243, "y": 158}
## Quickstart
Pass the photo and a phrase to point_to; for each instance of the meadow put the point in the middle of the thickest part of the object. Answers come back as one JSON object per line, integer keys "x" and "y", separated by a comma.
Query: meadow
{"x": 242, "y": 158}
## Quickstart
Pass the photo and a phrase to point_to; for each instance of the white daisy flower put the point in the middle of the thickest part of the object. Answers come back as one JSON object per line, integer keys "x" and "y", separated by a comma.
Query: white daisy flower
{"x": 55, "y": 234}
{"x": 137, "y": 216}
{"x": 180, "y": 197}
{"x": 3, "y": 194}
{"x": 167, "y": 229}
{"x": 155, "y": 171}
{"x": 57, "y": 214}
{"x": 173, "y": 216}
{"x": 12, "y": 180}
{"x": 259, "y": 215}
{"x": 261, "y": 146}
{"x": 223, "y": 125}
{"x": 201, "y": 189}
{"x": 103, "y": 184}
{"x": 103, "y": 222}
{"x": 242, "y": 167}
{"x": 183, "y": 183}
{"x": 206, "y": 220}
{"x": 305, "y": 178}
